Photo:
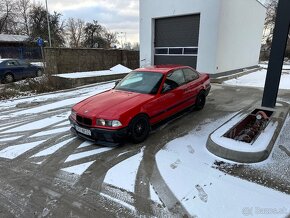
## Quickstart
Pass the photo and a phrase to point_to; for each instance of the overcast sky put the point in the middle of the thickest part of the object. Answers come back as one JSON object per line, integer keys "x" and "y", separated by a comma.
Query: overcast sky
{"x": 116, "y": 15}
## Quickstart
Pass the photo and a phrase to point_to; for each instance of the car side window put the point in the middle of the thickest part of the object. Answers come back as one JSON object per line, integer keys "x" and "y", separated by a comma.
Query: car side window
{"x": 190, "y": 75}
{"x": 173, "y": 80}
{"x": 11, "y": 63}
{"x": 177, "y": 76}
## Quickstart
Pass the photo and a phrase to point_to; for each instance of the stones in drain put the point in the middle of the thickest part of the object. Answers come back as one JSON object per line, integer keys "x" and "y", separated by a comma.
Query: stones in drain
{"x": 248, "y": 129}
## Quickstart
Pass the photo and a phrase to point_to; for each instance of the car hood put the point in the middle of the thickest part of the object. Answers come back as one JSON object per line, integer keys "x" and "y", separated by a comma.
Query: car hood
{"x": 110, "y": 104}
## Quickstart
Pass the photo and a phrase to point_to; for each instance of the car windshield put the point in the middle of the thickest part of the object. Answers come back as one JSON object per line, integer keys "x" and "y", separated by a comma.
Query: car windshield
{"x": 141, "y": 82}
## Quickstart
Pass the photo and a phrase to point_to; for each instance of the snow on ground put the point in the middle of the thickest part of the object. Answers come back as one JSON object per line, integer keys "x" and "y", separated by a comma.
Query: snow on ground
{"x": 128, "y": 167}
{"x": 87, "y": 153}
{"x": 78, "y": 169}
{"x": 257, "y": 79}
{"x": 16, "y": 150}
{"x": 118, "y": 69}
{"x": 186, "y": 166}
{"x": 53, "y": 148}
{"x": 82, "y": 93}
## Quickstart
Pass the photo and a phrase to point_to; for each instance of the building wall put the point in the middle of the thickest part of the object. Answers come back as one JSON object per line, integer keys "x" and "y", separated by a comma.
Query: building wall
{"x": 240, "y": 34}
{"x": 67, "y": 60}
{"x": 209, "y": 12}
{"x": 230, "y": 31}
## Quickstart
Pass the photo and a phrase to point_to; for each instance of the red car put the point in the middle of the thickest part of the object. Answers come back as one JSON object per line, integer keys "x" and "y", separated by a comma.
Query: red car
{"x": 144, "y": 97}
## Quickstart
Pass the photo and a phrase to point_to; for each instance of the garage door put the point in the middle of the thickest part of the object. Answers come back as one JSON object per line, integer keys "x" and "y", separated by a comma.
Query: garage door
{"x": 176, "y": 40}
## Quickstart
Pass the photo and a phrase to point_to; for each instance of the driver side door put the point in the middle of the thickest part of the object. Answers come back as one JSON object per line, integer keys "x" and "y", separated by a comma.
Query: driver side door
{"x": 171, "y": 97}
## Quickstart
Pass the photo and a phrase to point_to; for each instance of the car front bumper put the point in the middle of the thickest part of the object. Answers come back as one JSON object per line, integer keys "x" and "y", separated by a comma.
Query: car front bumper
{"x": 103, "y": 137}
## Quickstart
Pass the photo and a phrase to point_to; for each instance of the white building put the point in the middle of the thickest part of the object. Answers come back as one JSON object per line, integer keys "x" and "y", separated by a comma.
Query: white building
{"x": 213, "y": 36}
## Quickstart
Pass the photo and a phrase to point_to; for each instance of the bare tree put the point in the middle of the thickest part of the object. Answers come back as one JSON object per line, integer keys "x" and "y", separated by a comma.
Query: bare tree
{"x": 271, "y": 6}
{"x": 75, "y": 32}
{"x": 23, "y": 8}
{"x": 7, "y": 18}
{"x": 110, "y": 37}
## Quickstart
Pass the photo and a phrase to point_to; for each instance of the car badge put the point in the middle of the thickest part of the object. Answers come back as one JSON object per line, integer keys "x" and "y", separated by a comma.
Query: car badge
{"x": 86, "y": 111}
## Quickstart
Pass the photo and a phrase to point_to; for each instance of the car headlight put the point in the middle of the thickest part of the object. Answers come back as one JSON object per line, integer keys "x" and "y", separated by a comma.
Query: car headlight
{"x": 73, "y": 114}
{"x": 109, "y": 123}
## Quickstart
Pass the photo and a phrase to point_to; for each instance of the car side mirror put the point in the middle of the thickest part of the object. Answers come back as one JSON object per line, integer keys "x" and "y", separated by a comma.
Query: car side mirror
{"x": 116, "y": 83}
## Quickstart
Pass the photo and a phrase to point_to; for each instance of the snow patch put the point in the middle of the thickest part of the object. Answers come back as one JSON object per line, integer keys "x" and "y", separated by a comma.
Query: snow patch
{"x": 16, "y": 150}
{"x": 129, "y": 167}
{"x": 78, "y": 169}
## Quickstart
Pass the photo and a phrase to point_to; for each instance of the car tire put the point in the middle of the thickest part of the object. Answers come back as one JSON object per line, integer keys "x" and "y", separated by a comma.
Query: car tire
{"x": 39, "y": 73}
{"x": 139, "y": 129}
{"x": 9, "y": 78}
{"x": 200, "y": 101}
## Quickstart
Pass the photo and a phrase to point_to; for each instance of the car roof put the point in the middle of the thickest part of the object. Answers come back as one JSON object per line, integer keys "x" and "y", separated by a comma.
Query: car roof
{"x": 161, "y": 68}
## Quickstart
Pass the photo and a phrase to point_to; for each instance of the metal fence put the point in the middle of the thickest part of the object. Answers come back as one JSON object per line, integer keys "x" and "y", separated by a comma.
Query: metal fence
{"x": 20, "y": 52}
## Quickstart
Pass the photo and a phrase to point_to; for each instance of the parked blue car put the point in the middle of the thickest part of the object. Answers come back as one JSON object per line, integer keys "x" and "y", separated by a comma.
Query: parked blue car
{"x": 15, "y": 69}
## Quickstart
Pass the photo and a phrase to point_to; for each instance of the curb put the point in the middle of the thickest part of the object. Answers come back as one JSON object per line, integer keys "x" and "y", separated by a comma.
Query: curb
{"x": 221, "y": 79}
{"x": 278, "y": 116}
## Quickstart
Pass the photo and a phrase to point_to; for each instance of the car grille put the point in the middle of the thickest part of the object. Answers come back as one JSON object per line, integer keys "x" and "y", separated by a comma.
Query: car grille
{"x": 84, "y": 120}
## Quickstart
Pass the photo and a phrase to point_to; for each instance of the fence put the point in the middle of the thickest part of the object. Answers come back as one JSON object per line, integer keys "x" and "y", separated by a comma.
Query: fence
{"x": 67, "y": 60}
{"x": 20, "y": 52}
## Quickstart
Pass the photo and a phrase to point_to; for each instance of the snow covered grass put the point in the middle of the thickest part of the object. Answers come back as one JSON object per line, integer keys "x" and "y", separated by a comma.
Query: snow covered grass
{"x": 27, "y": 87}
{"x": 257, "y": 79}
{"x": 44, "y": 84}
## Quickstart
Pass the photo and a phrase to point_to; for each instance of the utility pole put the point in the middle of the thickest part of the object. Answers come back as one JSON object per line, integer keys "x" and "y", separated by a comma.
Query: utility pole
{"x": 48, "y": 26}
{"x": 279, "y": 43}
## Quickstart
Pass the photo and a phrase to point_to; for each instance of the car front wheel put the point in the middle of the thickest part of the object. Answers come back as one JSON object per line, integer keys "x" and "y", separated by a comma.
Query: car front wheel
{"x": 139, "y": 129}
{"x": 39, "y": 73}
{"x": 9, "y": 78}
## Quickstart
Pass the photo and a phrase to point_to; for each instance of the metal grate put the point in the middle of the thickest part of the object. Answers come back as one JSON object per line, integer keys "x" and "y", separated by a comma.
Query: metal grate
{"x": 84, "y": 120}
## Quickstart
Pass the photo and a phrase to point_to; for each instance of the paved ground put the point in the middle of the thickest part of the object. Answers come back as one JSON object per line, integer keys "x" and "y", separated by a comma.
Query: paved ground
{"x": 33, "y": 185}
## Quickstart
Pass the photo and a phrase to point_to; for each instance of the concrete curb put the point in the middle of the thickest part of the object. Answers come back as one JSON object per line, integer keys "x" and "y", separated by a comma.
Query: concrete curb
{"x": 68, "y": 83}
{"x": 221, "y": 79}
{"x": 278, "y": 116}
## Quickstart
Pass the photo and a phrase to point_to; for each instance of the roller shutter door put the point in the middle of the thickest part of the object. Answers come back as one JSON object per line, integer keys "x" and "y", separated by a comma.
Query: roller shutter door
{"x": 176, "y": 40}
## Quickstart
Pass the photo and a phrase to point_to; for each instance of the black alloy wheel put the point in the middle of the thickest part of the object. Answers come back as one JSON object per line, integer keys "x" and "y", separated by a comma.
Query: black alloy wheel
{"x": 139, "y": 128}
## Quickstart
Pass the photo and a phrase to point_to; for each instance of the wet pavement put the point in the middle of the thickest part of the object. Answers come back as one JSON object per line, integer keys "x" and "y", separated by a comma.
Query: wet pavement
{"x": 34, "y": 183}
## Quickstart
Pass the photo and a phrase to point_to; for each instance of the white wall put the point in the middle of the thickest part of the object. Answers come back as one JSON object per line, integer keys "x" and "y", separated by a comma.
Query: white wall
{"x": 240, "y": 34}
{"x": 229, "y": 37}
{"x": 208, "y": 33}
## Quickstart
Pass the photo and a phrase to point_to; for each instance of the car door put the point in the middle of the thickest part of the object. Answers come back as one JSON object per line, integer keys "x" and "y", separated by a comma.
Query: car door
{"x": 192, "y": 86}
{"x": 27, "y": 71}
{"x": 13, "y": 67}
{"x": 171, "y": 98}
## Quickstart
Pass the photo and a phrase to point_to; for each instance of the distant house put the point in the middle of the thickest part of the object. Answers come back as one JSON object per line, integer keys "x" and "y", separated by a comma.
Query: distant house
{"x": 13, "y": 40}
{"x": 18, "y": 46}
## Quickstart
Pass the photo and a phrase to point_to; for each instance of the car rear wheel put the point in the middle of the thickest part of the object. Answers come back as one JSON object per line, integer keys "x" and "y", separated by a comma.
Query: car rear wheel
{"x": 9, "y": 78}
{"x": 39, "y": 73}
{"x": 139, "y": 129}
{"x": 200, "y": 101}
